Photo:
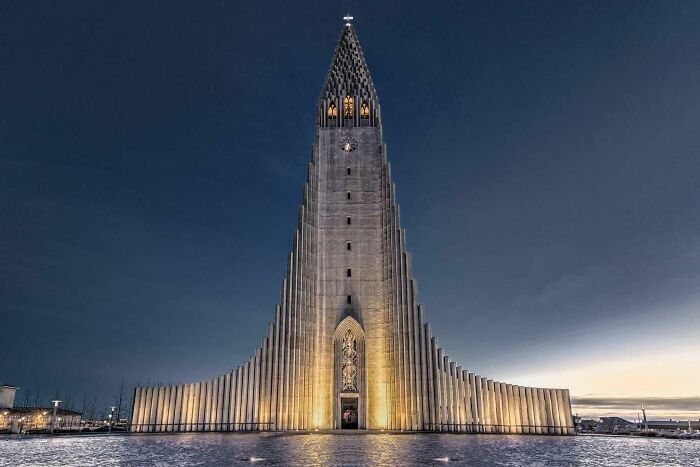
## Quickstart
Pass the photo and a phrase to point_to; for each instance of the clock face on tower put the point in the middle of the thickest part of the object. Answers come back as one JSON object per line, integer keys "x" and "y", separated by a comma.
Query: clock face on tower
{"x": 348, "y": 143}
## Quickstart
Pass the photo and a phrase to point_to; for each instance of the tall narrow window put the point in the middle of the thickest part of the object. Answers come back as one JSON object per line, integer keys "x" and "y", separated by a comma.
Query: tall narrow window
{"x": 332, "y": 111}
{"x": 349, "y": 299}
{"x": 349, "y": 246}
{"x": 364, "y": 111}
{"x": 349, "y": 196}
{"x": 349, "y": 362}
{"x": 349, "y": 220}
{"x": 348, "y": 105}
{"x": 349, "y": 171}
{"x": 349, "y": 273}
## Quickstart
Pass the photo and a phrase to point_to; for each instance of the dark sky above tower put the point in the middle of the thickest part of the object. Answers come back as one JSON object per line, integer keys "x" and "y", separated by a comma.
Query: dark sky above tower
{"x": 152, "y": 156}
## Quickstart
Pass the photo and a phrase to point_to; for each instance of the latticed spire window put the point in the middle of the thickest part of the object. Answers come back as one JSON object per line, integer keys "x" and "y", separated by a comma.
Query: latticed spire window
{"x": 349, "y": 362}
{"x": 364, "y": 110}
{"x": 332, "y": 111}
{"x": 348, "y": 106}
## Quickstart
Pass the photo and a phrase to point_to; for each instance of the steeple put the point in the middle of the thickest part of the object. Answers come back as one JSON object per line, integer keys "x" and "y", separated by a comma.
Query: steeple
{"x": 348, "y": 97}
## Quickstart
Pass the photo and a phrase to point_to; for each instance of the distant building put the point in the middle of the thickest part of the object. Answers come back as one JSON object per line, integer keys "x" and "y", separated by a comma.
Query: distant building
{"x": 670, "y": 425}
{"x": 587, "y": 425}
{"x": 22, "y": 419}
{"x": 7, "y": 396}
{"x": 615, "y": 425}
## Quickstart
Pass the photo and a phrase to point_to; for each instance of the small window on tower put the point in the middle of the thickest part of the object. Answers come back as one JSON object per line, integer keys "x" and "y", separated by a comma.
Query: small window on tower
{"x": 349, "y": 273}
{"x": 348, "y": 105}
{"x": 349, "y": 220}
{"x": 349, "y": 171}
{"x": 364, "y": 110}
{"x": 349, "y": 247}
{"x": 349, "y": 299}
{"x": 349, "y": 196}
{"x": 332, "y": 111}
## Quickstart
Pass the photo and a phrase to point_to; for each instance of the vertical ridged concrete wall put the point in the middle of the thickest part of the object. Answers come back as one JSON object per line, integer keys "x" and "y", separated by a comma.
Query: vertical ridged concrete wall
{"x": 405, "y": 380}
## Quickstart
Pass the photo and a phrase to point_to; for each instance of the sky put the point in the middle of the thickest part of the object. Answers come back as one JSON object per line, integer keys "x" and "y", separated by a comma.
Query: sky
{"x": 152, "y": 156}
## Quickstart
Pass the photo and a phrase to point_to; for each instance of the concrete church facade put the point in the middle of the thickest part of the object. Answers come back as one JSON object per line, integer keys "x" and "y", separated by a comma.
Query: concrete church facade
{"x": 349, "y": 346}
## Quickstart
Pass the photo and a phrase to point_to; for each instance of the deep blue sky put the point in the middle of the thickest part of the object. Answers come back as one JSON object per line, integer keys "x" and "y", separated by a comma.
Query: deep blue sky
{"x": 152, "y": 156}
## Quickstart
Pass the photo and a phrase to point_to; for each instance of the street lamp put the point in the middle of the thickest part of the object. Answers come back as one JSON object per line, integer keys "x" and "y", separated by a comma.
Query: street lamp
{"x": 53, "y": 418}
{"x": 111, "y": 418}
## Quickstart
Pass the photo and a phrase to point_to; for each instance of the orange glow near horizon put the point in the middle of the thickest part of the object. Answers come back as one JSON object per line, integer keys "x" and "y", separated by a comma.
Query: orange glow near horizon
{"x": 670, "y": 374}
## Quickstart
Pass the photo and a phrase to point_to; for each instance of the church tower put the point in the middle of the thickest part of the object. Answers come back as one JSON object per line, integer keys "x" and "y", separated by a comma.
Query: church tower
{"x": 353, "y": 273}
{"x": 349, "y": 346}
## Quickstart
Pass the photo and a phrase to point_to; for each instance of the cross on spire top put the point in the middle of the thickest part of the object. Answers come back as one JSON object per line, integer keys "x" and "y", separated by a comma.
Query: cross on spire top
{"x": 347, "y": 18}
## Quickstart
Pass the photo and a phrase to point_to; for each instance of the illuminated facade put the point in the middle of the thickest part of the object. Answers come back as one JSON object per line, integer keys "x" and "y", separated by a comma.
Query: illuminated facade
{"x": 349, "y": 346}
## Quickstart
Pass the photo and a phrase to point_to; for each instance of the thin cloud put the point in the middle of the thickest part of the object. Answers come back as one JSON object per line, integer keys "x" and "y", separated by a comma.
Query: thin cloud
{"x": 651, "y": 403}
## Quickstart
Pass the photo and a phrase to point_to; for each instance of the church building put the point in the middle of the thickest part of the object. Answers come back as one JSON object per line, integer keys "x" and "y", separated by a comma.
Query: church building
{"x": 349, "y": 345}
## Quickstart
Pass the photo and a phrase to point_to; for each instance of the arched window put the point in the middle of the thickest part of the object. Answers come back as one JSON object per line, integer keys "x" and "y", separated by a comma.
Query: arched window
{"x": 364, "y": 110}
{"x": 349, "y": 362}
{"x": 332, "y": 111}
{"x": 348, "y": 106}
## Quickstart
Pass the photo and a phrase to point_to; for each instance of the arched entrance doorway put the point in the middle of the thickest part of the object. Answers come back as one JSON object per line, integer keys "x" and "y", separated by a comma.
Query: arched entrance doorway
{"x": 349, "y": 375}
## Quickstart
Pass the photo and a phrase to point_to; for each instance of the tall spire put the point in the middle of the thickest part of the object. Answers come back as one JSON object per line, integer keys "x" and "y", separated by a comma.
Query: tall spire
{"x": 348, "y": 97}
{"x": 348, "y": 73}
